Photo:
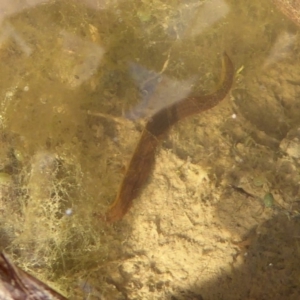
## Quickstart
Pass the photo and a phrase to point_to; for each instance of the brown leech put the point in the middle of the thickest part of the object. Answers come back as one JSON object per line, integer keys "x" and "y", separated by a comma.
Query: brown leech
{"x": 143, "y": 157}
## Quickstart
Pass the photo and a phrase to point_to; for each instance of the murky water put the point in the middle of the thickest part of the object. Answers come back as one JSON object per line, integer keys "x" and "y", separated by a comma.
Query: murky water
{"x": 78, "y": 81}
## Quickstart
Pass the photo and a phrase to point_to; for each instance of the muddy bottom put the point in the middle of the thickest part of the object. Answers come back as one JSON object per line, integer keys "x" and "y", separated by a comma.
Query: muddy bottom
{"x": 219, "y": 215}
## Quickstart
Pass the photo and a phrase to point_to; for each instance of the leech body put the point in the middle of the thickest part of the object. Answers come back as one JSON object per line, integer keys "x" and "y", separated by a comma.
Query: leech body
{"x": 142, "y": 160}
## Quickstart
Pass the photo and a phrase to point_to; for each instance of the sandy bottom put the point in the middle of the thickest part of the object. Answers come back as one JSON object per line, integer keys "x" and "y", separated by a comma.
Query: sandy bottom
{"x": 220, "y": 215}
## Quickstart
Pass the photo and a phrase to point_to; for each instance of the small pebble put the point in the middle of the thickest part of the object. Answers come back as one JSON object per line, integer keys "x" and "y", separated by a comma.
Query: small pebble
{"x": 268, "y": 200}
{"x": 9, "y": 94}
{"x": 259, "y": 181}
{"x": 69, "y": 211}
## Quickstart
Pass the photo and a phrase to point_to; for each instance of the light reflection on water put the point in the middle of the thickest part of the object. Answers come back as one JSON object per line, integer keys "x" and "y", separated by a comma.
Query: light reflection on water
{"x": 127, "y": 60}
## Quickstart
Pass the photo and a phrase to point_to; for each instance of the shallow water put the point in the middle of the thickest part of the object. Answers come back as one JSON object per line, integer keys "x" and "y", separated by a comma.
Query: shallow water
{"x": 79, "y": 79}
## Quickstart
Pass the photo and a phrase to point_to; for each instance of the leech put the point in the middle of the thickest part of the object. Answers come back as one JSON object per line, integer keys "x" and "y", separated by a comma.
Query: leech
{"x": 143, "y": 158}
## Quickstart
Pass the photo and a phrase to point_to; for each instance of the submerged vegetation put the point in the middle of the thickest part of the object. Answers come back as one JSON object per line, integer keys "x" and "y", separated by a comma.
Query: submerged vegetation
{"x": 74, "y": 76}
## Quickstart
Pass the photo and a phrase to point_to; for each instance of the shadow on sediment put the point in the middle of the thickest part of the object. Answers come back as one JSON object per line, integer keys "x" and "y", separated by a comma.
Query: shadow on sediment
{"x": 270, "y": 268}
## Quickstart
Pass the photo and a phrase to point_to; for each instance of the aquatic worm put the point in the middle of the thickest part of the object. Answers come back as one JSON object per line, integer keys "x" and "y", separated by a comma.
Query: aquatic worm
{"x": 142, "y": 160}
